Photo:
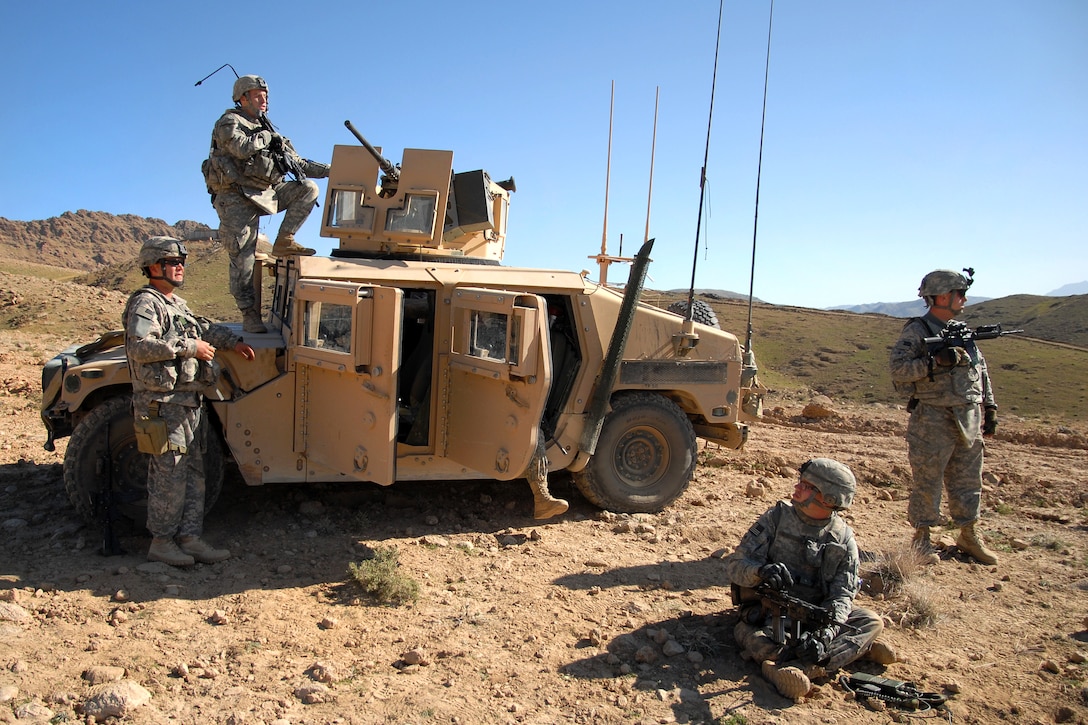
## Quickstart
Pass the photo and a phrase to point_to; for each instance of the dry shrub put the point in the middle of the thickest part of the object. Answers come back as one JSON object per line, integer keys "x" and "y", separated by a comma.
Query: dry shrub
{"x": 379, "y": 576}
{"x": 917, "y": 606}
{"x": 891, "y": 570}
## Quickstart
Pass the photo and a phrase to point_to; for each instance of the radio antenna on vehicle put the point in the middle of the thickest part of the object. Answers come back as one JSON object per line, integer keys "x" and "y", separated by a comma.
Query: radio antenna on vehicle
{"x": 748, "y": 358}
{"x": 702, "y": 173}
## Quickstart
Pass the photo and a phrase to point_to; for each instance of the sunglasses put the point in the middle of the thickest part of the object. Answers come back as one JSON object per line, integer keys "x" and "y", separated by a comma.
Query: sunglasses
{"x": 172, "y": 262}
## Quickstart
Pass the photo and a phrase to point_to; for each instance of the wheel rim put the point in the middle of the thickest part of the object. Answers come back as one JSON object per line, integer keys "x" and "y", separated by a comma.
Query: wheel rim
{"x": 641, "y": 457}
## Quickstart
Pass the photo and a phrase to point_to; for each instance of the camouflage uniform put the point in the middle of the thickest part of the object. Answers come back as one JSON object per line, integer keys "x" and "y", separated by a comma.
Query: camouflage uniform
{"x": 167, "y": 379}
{"x": 245, "y": 185}
{"x": 944, "y": 435}
{"x": 822, "y": 557}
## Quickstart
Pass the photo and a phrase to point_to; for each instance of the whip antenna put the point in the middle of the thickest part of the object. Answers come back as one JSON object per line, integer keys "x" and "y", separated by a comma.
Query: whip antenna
{"x": 706, "y": 156}
{"x": 759, "y": 173}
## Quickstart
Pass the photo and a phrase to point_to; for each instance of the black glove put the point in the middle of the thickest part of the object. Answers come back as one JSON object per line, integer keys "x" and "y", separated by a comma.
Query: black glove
{"x": 951, "y": 357}
{"x": 989, "y": 421}
{"x": 275, "y": 145}
{"x": 814, "y": 646}
{"x": 776, "y": 576}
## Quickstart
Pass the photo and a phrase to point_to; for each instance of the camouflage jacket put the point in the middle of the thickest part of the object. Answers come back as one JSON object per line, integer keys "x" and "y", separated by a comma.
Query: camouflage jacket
{"x": 914, "y": 372}
{"x": 161, "y": 333}
{"x": 822, "y": 557}
{"x": 241, "y": 160}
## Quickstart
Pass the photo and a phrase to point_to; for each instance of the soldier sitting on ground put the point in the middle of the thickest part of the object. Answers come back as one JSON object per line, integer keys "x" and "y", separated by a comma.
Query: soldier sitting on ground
{"x": 805, "y": 549}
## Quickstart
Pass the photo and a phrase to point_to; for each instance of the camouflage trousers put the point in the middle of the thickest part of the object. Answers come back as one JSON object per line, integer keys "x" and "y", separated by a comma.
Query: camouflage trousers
{"x": 239, "y": 221}
{"x": 945, "y": 449}
{"x": 848, "y": 645}
{"x": 175, "y": 479}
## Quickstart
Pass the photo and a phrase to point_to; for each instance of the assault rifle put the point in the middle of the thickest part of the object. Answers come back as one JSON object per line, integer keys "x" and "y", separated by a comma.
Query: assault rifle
{"x": 279, "y": 149}
{"x": 104, "y": 503}
{"x": 799, "y": 613}
{"x": 958, "y": 334}
{"x": 897, "y": 693}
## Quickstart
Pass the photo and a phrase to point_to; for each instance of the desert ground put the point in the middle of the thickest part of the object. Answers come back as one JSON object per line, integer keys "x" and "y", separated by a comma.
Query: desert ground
{"x": 590, "y": 618}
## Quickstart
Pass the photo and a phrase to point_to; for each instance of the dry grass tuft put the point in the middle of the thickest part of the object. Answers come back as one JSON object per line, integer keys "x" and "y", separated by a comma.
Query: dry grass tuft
{"x": 917, "y": 607}
{"x": 891, "y": 570}
{"x": 380, "y": 577}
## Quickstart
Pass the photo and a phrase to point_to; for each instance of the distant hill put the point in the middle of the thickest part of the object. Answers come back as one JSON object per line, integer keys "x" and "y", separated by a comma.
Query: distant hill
{"x": 912, "y": 308}
{"x": 76, "y": 239}
{"x": 1077, "y": 288}
{"x": 714, "y": 294}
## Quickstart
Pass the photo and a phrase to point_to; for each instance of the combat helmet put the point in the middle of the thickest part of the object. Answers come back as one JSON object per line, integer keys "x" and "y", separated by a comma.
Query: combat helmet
{"x": 833, "y": 479}
{"x": 245, "y": 84}
{"x": 943, "y": 281}
{"x": 156, "y": 249}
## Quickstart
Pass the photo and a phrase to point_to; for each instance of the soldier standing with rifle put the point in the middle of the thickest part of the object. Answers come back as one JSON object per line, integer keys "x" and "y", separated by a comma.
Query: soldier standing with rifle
{"x": 794, "y": 577}
{"x": 952, "y": 408}
{"x": 171, "y": 356}
{"x": 246, "y": 173}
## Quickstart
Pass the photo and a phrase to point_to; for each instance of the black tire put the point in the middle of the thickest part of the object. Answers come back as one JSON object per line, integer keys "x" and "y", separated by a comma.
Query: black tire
{"x": 645, "y": 456}
{"x": 83, "y": 469}
{"x": 701, "y": 312}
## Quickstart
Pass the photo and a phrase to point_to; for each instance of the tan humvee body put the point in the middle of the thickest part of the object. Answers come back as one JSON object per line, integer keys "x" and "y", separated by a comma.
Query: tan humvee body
{"x": 412, "y": 354}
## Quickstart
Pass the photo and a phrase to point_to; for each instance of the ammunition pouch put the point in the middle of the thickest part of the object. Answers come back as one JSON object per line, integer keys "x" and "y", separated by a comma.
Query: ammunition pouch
{"x": 151, "y": 435}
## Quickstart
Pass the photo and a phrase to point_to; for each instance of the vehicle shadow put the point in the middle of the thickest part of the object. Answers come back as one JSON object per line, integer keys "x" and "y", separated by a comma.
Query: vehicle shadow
{"x": 281, "y": 535}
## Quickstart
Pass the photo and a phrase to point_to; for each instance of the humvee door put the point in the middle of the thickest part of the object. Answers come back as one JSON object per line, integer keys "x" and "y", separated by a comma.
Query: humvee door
{"x": 347, "y": 360}
{"x": 498, "y": 374}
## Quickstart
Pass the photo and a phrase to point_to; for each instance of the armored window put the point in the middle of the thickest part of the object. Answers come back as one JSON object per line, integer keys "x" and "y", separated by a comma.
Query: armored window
{"x": 327, "y": 326}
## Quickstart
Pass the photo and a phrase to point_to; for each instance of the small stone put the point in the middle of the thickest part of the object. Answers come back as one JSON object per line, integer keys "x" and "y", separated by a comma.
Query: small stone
{"x": 1051, "y": 666}
{"x": 99, "y": 675}
{"x": 219, "y": 617}
{"x": 120, "y": 596}
{"x": 414, "y": 657}
{"x": 328, "y": 623}
{"x": 755, "y": 489}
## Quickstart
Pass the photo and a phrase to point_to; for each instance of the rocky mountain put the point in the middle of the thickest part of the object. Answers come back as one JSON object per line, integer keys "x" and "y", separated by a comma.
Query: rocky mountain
{"x": 82, "y": 239}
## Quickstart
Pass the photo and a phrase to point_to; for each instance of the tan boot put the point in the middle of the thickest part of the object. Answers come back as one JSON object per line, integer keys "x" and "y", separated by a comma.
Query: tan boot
{"x": 921, "y": 543}
{"x": 970, "y": 543}
{"x": 545, "y": 506}
{"x": 285, "y": 246}
{"x": 165, "y": 550}
{"x": 252, "y": 322}
{"x": 789, "y": 681}
{"x": 882, "y": 653}
{"x": 201, "y": 551}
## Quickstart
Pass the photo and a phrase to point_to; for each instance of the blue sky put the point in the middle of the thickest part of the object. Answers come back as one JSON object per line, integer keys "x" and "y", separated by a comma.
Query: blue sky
{"x": 901, "y": 136}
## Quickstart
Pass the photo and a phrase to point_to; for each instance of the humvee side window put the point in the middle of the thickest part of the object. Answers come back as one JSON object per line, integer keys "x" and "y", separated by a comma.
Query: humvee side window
{"x": 327, "y": 326}
{"x": 487, "y": 336}
{"x": 347, "y": 210}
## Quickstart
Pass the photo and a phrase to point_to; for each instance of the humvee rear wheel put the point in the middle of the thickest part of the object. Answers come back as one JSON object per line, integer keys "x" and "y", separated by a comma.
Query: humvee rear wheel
{"x": 701, "y": 312}
{"x": 84, "y": 469}
{"x": 645, "y": 456}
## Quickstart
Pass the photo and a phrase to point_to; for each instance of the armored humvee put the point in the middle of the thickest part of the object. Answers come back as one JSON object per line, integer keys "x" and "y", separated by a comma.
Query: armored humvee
{"x": 411, "y": 353}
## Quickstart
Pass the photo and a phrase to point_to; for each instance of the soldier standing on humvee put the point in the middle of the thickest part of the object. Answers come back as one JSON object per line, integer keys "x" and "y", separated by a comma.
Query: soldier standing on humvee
{"x": 246, "y": 179}
{"x": 171, "y": 355}
{"x": 952, "y": 407}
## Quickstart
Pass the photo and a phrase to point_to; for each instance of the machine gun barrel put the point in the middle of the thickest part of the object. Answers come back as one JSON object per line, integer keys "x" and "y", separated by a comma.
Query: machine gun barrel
{"x": 386, "y": 165}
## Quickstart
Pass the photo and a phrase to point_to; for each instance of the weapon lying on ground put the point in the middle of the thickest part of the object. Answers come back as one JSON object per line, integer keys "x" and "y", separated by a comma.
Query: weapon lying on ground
{"x": 958, "y": 334}
{"x": 903, "y": 695}
{"x": 285, "y": 162}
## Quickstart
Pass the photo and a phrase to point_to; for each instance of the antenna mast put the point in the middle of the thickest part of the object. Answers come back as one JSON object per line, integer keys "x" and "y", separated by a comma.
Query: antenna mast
{"x": 653, "y": 149}
{"x": 706, "y": 156}
{"x": 602, "y": 259}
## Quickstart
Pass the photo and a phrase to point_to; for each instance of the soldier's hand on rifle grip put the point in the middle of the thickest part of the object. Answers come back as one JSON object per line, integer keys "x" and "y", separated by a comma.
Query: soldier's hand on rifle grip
{"x": 275, "y": 144}
{"x": 951, "y": 357}
{"x": 776, "y": 576}
{"x": 989, "y": 421}
{"x": 815, "y": 645}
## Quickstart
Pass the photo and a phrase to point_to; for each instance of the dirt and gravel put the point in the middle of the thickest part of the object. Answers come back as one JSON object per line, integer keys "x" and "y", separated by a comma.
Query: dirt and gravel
{"x": 591, "y": 618}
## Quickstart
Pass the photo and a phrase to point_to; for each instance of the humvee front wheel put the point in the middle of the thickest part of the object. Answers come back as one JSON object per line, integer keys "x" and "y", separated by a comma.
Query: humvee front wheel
{"x": 84, "y": 467}
{"x": 645, "y": 456}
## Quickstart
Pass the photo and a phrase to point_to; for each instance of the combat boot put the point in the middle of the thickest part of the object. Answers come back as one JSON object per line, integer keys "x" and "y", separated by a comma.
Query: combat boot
{"x": 789, "y": 681}
{"x": 165, "y": 550}
{"x": 921, "y": 543}
{"x": 970, "y": 543}
{"x": 882, "y": 653}
{"x": 252, "y": 322}
{"x": 545, "y": 506}
{"x": 285, "y": 246}
{"x": 201, "y": 551}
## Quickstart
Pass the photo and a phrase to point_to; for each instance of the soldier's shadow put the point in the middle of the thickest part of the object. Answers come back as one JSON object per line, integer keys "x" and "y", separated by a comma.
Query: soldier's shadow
{"x": 689, "y": 661}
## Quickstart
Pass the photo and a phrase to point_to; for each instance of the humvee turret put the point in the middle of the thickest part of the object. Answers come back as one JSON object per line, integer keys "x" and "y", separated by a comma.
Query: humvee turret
{"x": 412, "y": 353}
